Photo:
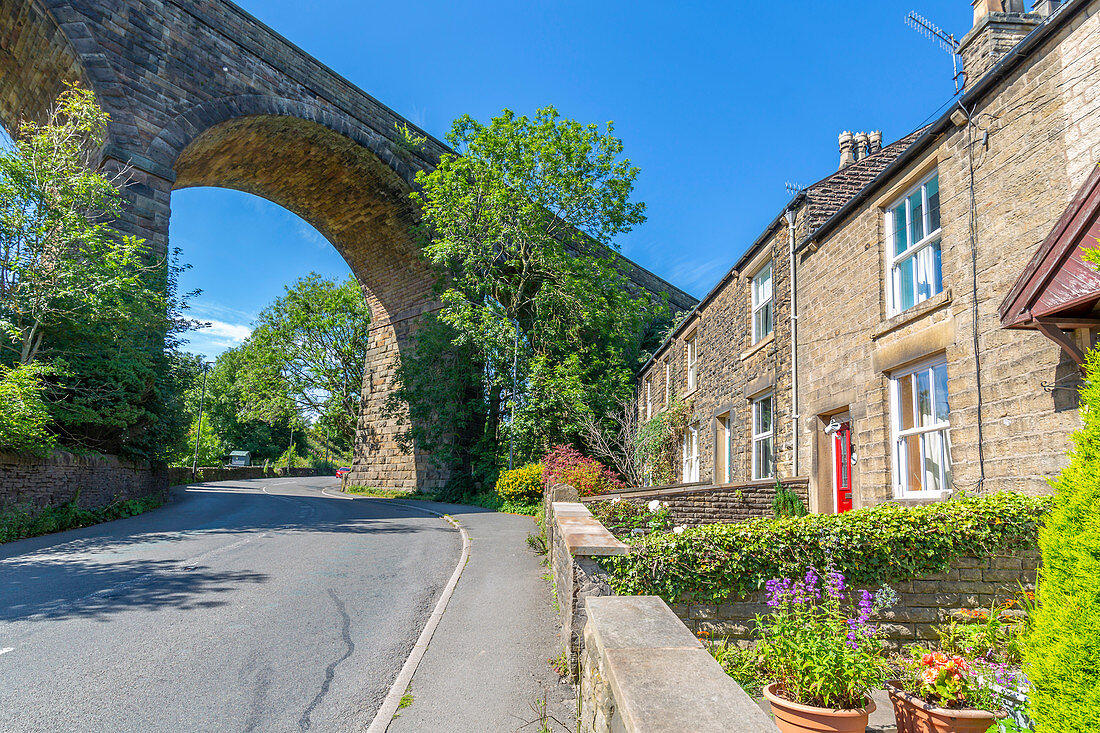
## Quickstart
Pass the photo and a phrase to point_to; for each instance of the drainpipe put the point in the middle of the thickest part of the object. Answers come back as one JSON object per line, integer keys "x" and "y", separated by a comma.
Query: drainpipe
{"x": 790, "y": 214}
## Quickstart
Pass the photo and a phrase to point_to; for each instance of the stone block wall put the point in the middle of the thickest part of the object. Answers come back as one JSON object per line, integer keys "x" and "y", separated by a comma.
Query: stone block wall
{"x": 970, "y": 583}
{"x": 182, "y": 476}
{"x": 95, "y": 481}
{"x": 642, "y": 670}
{"x": 574, "y": 540}
{"x": 693, "y": 505}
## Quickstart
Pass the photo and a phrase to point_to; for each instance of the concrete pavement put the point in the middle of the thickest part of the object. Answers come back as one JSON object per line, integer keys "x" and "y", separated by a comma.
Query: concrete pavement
{"x": 488, "y": 663}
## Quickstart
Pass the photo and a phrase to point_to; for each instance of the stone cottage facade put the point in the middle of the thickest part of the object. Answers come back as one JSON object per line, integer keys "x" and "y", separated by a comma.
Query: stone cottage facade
{"x": 895, "y": 379}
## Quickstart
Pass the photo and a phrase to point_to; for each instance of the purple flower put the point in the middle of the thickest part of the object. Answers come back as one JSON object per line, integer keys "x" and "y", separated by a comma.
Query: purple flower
{"x": 834, "y": 584}
{"x": 806, "y": 590}
{"x": 779, "y": 591}
{"x": 865, "y": 605}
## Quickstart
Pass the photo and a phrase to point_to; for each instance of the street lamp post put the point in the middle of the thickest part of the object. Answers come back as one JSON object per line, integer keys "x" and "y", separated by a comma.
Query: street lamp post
{"x": 198, "y": 427}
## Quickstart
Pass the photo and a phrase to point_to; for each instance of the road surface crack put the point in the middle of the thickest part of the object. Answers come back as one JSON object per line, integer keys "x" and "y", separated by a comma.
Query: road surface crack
{"x": 330, "y": 671}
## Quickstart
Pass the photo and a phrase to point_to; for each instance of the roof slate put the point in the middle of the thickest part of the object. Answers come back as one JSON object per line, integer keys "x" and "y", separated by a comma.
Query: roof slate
{"x": 827, "y": 196}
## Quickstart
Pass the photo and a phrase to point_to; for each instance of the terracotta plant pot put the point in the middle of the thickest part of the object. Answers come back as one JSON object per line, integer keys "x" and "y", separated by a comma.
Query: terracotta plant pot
{"x": 791, "y": 717}
{"x": 914, "y": 715}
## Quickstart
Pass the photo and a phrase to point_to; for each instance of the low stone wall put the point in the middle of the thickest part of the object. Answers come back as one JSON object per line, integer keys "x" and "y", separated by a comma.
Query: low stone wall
{"x": 575, "y": 539}
{"x": 969, "y": 583}
{"x": 95, "y": 481}
{"x": 182, "y": 476}
{"x": 642, "y": 670}
{"x": 693, "y": 504}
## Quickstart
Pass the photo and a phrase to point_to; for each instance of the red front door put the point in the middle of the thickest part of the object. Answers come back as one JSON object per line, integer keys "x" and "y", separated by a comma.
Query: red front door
{"x": 842, "y": 460}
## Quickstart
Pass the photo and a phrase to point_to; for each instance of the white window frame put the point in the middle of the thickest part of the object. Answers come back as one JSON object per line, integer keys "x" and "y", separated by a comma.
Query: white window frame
{"x": 648, "y": 396}
{"x": 691, "y": 345}
{"x": 759, "y": 303}
{"x": 689, "y": 455}
{"x": 757, "y": 437}
{"x": 900, "y": 456}
{"x": 893, "y": 274}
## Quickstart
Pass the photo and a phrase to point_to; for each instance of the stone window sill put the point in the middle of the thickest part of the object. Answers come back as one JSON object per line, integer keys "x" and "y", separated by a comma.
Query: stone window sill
{"x": 770, "y": 338}
{"x": 915, "y": 313}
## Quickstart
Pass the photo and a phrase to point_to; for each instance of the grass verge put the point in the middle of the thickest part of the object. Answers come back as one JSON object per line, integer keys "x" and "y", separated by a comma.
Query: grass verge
{"x": 486, "y": 500}
{"x": 21, "y": 522}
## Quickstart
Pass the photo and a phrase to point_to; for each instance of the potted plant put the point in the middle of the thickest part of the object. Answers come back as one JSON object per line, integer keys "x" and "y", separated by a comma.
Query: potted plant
{"x": 943, "y": 693}
{"x": 821, "y": 653}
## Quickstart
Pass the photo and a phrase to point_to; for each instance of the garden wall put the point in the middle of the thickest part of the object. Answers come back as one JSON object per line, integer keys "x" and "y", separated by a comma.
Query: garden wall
{"x": 94, "y": 480}
{"x": 638, "y": 667}
{"x": 574, "y": 540}
{"x": 694, "y": 504}
{"x": 181, "y": 476}
{"x": 970, "y": 583}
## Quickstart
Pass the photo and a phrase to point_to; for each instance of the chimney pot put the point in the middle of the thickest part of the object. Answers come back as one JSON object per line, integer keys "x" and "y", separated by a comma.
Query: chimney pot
{"x": 983, "y": 8}
{"x": 847, "y": 156}
{"x": 861, "y": 145}
{"x": 875, "y": 139}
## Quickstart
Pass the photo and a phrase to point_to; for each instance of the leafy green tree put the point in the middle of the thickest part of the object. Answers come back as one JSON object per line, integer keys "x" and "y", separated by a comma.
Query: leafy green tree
{"x": 521, "y": 227}
{"x": 212, "y": 451}
{"x": 224, "y": 410}
{"x": 24, "y": 419}
{"x": 58, "y": 260}
{"x": 95, "y": 306}
{"x": 306, "y": 358}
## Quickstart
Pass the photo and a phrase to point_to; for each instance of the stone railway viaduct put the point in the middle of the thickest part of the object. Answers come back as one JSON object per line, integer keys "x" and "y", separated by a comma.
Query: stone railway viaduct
{"x": 201, "y": 93}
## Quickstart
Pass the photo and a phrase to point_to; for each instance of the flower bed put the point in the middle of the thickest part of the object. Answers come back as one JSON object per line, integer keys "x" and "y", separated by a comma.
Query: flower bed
{"x": 887, "y": 543}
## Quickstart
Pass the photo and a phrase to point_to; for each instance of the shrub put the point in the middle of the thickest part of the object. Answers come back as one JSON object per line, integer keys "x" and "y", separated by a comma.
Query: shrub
{"x": 786, "y": 503}
{"x": 523, "y": 484}
{"x": 623, "y": 517}
{"x": 1062, "y": 651}
{"x": 17, "y": 523}
{"x": 23, "y": 413}
{"x": 588, "y": 476}
{"x": 886, "y": 543}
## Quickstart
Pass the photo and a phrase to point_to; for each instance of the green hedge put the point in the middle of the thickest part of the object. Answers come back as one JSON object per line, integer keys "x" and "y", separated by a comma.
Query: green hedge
{"x": 887, "y": 543}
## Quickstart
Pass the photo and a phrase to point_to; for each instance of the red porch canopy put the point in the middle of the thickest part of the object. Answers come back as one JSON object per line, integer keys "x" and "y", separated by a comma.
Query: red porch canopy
{"x": 1058, "y": 291}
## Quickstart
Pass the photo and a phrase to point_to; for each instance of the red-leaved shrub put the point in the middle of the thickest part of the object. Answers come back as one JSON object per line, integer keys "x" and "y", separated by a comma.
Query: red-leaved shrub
{"x": 567, "y": 465}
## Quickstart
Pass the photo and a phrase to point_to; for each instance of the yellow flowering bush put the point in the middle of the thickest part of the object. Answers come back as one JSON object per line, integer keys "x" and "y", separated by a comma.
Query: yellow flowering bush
{"x": 521, "y": 484}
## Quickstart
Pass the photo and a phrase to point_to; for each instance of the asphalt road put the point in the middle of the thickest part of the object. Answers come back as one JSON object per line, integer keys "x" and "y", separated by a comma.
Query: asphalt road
{"x": 266, "y": 605}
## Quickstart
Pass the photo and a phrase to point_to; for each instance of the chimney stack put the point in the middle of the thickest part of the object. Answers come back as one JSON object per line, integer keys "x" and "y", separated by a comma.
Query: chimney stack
{"x": 847, "y": 155}
{"x": 875, "y": 139}
{"x": 1046, "y": 7}
{"x": 998, "y": 26}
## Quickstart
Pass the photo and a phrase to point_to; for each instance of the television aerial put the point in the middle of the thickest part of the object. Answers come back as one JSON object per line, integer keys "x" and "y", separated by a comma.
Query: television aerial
{"x": 945, "y": 40}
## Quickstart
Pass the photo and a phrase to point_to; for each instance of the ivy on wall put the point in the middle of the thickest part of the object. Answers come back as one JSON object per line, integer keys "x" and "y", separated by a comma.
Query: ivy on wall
{"x": 659, "y": 441}
{"x": 886, "y": 543}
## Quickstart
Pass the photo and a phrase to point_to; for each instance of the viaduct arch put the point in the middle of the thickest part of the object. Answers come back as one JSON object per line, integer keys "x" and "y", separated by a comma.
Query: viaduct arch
{"x": 200, "y": 93}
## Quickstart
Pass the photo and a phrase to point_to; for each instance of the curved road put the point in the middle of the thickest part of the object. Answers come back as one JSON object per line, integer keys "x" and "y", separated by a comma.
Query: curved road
{"x": 265, "y": 605}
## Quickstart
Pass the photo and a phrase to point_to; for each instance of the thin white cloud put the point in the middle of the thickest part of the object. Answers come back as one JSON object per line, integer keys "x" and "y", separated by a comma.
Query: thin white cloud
{"x": 231, "y": 332}
{"x": 207, "y": 310}
{"x": 697, "y": 276}
{"x": 309, "y": 234}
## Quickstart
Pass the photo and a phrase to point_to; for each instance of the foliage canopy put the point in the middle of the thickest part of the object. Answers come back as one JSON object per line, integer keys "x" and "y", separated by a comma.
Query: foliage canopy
{"x": 520, "y": 226}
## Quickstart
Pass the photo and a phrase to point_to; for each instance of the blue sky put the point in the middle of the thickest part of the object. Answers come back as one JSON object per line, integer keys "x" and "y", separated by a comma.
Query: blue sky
{"x": 719, "y": 104}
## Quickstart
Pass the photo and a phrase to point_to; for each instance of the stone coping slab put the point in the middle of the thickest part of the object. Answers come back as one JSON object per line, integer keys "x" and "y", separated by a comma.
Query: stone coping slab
{"x": 661, "y": 677}
{"x": 584, "y": 534}
{"x": 637, "y": 622}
